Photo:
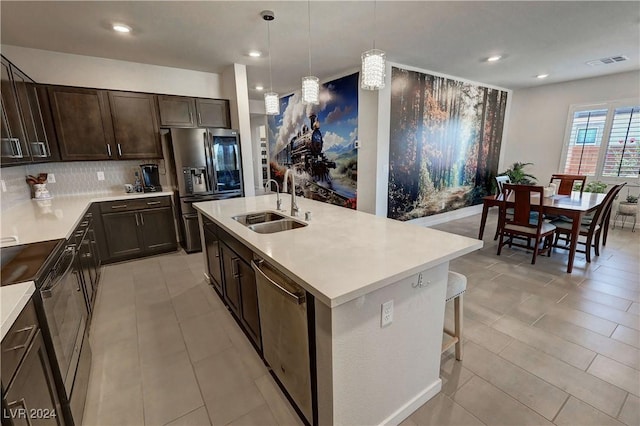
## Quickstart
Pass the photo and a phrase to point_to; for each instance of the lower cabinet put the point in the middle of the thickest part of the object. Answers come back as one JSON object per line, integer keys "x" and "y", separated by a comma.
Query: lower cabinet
{"x": 231, "y": 283}
{"x": 121, "y": 233}
{"x": 29, "y": 393}
{"x": 212, "y": 250}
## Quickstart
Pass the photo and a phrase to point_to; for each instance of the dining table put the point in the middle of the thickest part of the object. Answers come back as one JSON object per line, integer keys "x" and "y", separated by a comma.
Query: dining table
{"x": 574, "y": 207}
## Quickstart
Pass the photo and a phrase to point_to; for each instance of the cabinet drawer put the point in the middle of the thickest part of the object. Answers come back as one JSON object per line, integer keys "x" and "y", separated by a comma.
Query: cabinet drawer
{"x": 15, "y": 343}
{"x": 134, "y": 204}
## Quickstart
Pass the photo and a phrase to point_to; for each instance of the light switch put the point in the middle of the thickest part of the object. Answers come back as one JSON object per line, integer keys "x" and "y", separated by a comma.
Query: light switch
{"x": 100, "y": 175}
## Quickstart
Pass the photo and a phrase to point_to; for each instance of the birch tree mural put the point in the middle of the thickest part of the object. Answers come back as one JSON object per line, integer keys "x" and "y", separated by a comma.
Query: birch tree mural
{"x": 444, "y": 143}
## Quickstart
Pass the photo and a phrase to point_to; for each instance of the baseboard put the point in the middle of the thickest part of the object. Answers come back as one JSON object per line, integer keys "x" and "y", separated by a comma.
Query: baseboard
{"x": 406, "y": 410}
{"x": 448, "y": 216}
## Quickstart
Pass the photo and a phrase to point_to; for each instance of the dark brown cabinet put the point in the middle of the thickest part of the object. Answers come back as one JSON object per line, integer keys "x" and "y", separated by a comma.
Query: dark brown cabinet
{"x": 231, "y": 283}
{"x": 135, "y": 228}
{"x": 249, "y": 298}
{"x": 13, "y": 146}
{"x": 29, "y": 392}
{"x": 83, "y": 123}
{"x": 180, "y": 111}
{"x": 212, "y": 250}
{"x": 135, "y": 125}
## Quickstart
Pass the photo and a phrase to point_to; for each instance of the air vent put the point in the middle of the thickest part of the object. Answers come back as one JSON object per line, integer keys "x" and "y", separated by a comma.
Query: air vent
{"x": 607, "y": 61}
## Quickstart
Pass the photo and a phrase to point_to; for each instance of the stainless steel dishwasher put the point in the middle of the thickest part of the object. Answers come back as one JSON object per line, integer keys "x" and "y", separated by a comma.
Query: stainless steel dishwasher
{"x": 285, "y": 335}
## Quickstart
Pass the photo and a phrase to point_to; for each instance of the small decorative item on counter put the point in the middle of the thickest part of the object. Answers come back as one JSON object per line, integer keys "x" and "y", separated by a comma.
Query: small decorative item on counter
{"x": 137, "y": 185}
{"x": 128, "y": 188}
{"x": 38, "y": 187}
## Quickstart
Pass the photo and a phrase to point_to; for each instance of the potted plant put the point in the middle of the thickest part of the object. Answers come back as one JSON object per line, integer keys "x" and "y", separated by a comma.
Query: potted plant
{"x": 630, "y": 206}
{"x": 517, "y": 174}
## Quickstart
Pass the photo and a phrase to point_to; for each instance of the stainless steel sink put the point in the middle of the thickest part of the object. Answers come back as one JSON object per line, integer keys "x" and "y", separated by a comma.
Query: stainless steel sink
{"x": 277, "y": 226}
{"x": 258, "y": 217}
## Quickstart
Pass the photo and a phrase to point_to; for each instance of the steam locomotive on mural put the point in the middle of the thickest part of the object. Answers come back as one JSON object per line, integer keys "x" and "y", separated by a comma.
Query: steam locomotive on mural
{"x": 304, "y": 152}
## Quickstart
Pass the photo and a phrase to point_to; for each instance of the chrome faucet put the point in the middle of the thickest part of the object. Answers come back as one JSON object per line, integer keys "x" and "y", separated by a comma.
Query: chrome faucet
{"x": 294, "y": 206}
{"x": 278, "y": 200}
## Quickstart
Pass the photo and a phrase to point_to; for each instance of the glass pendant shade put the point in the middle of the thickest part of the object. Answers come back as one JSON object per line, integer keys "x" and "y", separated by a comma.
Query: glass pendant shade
{"x": 310, "y": 90}
{"x": 271, "y": 103}
{"x": 373, "y": 69}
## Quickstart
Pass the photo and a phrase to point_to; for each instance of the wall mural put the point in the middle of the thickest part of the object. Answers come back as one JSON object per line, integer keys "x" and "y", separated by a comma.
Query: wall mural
{"x": 444, "y": 143}
{"x": 318, "y": 142}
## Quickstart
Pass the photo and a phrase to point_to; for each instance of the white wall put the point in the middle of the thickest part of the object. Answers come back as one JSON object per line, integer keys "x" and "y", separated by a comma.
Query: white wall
{"x": 87, "y": 71}
{"x": 536, "y": 129}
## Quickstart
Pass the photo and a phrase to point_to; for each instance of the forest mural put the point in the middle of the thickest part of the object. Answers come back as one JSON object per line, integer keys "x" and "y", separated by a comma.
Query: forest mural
{"x": 444, "y": 143}
{"x": 318, "y": 142}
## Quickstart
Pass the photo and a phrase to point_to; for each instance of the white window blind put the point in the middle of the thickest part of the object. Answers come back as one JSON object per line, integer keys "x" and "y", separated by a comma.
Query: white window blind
{"x": 622, "y": 158}
{"x": 585, "y": 139}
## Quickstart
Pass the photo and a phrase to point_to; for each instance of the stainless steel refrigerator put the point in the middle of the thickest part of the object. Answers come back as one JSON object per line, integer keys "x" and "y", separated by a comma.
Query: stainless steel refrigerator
{"x": 208, "y": 166}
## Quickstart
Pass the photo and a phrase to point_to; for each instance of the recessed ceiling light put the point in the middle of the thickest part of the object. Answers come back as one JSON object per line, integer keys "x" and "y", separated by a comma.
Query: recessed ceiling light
{"x": 542, "y": 76}
{"x": 494, "y": 58}
{"x": 121, "y": 28}
{"x": 255, "y": 54}
{"x": 259, "y": 87}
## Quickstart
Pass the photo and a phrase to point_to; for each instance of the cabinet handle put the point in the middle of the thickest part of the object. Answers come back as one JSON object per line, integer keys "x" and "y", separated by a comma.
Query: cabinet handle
{"x": 32, "y": 329}
{"x": 41, "y": 147}
{"x": 109, "y": 149}
{"x": 199, "y": 119}
{"x": 119, "y": 151}
{"x": 84, "y": 223}
{"x": 137, "y": 223}
{"x": 23, "y": 403}
{"x": 119, "y": 206}
{"x": 234, "y": 267}
{"x": 153, "y": 203}
{"x": 190, "y": 116}
{"x": 142, "y": 219}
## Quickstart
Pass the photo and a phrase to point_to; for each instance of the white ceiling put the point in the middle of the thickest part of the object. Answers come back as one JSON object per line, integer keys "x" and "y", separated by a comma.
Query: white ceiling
{"x": 449, "y": 37}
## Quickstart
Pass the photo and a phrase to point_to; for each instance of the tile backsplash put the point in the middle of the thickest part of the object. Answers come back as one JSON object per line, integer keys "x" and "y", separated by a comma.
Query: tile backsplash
{"x": 73, "y": 178}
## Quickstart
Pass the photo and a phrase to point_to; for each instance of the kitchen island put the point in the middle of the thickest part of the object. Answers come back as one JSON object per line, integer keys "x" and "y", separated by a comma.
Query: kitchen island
{"x": 351, "y": 263}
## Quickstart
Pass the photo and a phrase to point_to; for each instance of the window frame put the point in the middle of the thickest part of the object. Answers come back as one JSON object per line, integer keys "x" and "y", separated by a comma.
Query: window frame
{"x": 610, "y": 106}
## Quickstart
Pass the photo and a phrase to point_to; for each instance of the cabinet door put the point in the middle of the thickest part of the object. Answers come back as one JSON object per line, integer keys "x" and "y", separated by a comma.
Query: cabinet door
{"x": 158, "y": 229}
{"x": 122, "y": 234}
{"x": 213, "y": 113}
{"x": 31, "y": 398}
{"x": 212, "y": 247}
{"x": 231, "y": 287}
{"x": 36, "y": 137}
{"x": 135, "y": 125}
{"x": 13, "y": 148}
{"x": 177, "y": 111}
{"x": 249, "y": 298}
{"x": 83, "y": 123}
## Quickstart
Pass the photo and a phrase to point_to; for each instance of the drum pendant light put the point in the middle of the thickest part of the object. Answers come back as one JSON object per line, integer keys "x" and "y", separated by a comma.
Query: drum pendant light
{"x": 271, "y": 99}
{"x": 310, "y": 84}
{"x": 373, "y": 63}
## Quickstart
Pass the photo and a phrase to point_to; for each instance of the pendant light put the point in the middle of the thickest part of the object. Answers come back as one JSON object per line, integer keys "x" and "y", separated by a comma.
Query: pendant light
{"x": 310, "y": 84}
{"x": 373, "y": 63}
{"x": 271, "y": 99}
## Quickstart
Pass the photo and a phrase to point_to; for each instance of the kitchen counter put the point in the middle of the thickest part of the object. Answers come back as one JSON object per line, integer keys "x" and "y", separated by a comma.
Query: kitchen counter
{"x": 13, "y": 299}
{"x": 342, "y": 254}
{"x": 42, "y": 220}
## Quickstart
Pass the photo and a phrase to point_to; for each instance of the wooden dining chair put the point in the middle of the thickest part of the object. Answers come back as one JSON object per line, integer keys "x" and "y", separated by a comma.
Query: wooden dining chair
{"x": 523, "y": 224}
{"x": 567, "y": 182}
{"x": 591, "y": 230}
{"x": 500, "y": 181}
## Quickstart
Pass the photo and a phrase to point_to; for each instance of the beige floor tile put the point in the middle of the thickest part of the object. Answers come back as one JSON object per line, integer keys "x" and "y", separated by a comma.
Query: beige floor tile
{"x": 150, "y": 312}
{"x": 204, "y": 336}
{"x": 530, "y": 390}
{"x": 498, "y": 299}
{"x": 180, "y": 280}
{"x": 519, "y": 271}
{"x": 212, "y": 297}
{"x": 611, "y": 348}
{"x": 546, "y": 342}
{"x": 582, "y": 319}
{"x": 114, "y": 366}
{"x": 408, "y": 422}
{"x": 121, "y": 408}
{"x": 576, "y": 412}
{"x": 602, "y": 311}
{"x": 191, "y": 303}
{"x": 530, "y": 286}
{"x": 198, "y": 417}
{"x": 590, "y": 389}
{"x": 599, "y": 297}
{"x": 627, "y": 335}
{"x": 492, "y": 406}
{"x": 634, "y": 308}
{"x": 442, "y": 410}
{"x": 480, "y": 313}
{"x": 630, "y": 413}
{"x": 282, "y": 411}
{"x": 234, "y": 404}
{"x": 251, "y": 361}
{"x": 258, "y": 416}
{"x": 617, "y": 277}
{"x": 170, "y": 388}
{"x": 624, "y": 377}
{"x": 531, "y": 309}
{"x": 121, "y": 326}
{"x": 159, "y": 338}
{"x": 485, "y": 336}
{"x": 629, "y": 294}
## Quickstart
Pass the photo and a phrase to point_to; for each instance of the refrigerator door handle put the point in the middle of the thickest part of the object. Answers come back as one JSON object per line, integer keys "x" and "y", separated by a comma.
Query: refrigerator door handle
{"x": 211, "y": 175}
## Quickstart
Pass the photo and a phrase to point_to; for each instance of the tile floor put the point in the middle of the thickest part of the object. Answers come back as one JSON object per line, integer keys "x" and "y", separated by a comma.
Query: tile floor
{"x": 542, "y": 346}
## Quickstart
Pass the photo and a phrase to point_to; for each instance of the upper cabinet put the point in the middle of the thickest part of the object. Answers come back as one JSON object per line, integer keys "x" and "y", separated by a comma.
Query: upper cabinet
{"x": 179, "y": 111}
{"x": 13, "y": 144}
{"x": 135, "y": 125}
{"x": 83, "y": 123}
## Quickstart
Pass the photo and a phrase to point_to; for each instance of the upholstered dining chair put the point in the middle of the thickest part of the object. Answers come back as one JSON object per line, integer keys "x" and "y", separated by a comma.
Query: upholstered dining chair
{"x": 501, "y": 180}
{"x": 456, "y": 286}
{"x": 567, "y": 182}
{"x": 523, "y": 224}
{"x": 591, "y": 228}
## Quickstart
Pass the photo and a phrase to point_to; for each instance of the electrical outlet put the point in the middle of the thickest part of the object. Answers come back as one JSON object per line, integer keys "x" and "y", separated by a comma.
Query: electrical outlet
{"x": 4, "y": 186}
{"x": 357, "y": 144}
{"x": 386, "y": 317}
{"x": 100, "y": 175}
{"x": 51, "y": 178}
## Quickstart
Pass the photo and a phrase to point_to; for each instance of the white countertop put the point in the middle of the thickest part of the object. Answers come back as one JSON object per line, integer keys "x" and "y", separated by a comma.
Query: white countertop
{"x": 42, "y": 220}
{"x": 12, "y": 299}
{"x": 342, "y": 254}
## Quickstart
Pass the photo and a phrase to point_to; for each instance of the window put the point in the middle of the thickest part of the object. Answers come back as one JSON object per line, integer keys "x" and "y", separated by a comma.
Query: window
{"x": 603, "y": 141}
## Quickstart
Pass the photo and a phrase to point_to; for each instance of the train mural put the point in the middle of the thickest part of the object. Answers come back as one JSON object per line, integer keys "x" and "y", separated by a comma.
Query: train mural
{"x": 318, "y": 143}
